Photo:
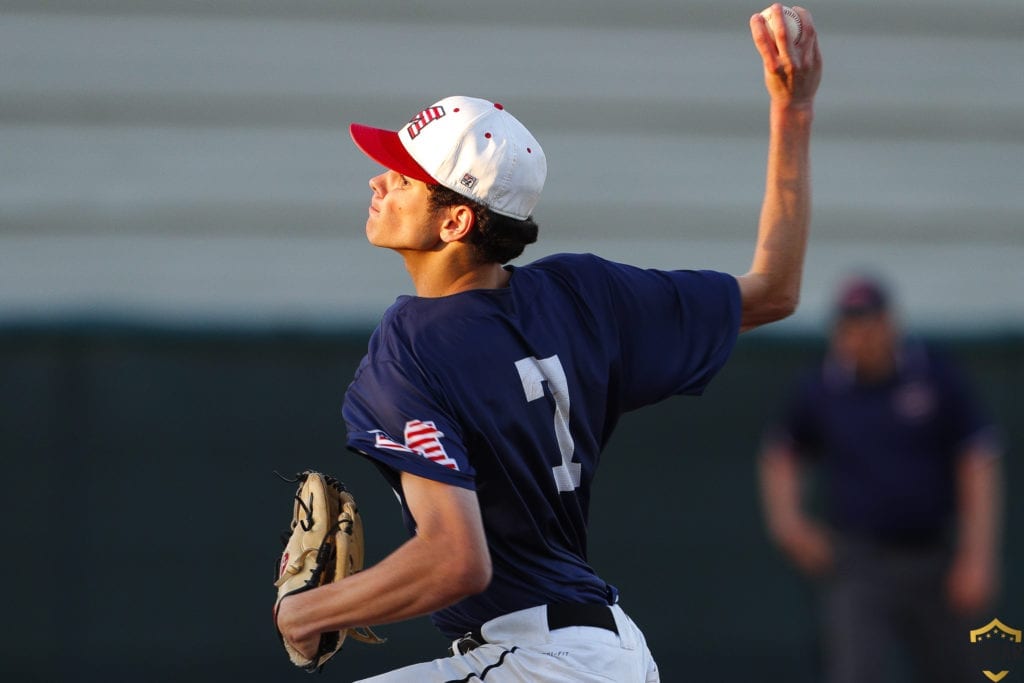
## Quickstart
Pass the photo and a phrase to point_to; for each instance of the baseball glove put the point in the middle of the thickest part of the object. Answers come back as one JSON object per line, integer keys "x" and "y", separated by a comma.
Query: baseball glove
{"x": 324, "y": 544}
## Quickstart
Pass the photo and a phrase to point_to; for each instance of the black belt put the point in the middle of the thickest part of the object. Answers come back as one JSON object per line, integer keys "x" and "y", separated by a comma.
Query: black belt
{"x": 575, "y": 614}
{"x": 924, "y": 540}
{"x": 561, "y": 615}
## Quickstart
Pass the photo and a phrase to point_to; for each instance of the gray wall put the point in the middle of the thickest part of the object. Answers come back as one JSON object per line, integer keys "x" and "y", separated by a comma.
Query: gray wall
{"x": 172, "y": 159}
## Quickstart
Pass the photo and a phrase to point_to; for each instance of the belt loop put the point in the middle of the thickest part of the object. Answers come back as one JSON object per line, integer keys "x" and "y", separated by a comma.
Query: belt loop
{"x": 629, "y": 635}
{"x": 471, "y": 641}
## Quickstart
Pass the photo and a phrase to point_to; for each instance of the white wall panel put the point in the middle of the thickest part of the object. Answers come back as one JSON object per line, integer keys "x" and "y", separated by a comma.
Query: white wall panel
{"x": 190, "y": 160}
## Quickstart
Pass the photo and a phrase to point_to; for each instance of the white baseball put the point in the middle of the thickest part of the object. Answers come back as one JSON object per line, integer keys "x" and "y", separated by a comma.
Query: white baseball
{"x": 794, "y": 27}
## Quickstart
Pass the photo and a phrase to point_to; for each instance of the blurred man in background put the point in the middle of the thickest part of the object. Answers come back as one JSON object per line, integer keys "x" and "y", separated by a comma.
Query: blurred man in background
{"x": 909, "y": 550}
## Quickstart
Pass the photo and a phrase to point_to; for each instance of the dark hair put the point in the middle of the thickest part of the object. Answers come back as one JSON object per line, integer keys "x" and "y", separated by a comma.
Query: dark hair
{"x": 496, "y": 238}
{"x": 862, "y": 295}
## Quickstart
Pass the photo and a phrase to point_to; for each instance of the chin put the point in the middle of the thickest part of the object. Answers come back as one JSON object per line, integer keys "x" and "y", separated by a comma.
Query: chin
{"x": 371, "y": 237}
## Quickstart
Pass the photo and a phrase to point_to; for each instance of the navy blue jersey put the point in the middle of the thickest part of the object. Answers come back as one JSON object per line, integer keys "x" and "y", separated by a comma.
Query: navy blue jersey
{"x": 514, "y": 392}
{"x": 888, "y": 449}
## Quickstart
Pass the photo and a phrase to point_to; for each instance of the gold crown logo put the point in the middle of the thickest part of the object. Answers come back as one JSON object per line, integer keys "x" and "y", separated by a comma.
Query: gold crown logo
{"x": 995, "y": 629}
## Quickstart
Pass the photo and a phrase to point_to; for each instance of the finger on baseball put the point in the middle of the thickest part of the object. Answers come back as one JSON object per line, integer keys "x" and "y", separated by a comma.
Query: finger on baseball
{"x": 764, "y": 42}
{"x": 810, "y": 50}
{"x": 805, "y": 19}
{"x": 808, "y": 34}
{"x": 781, "y": 30}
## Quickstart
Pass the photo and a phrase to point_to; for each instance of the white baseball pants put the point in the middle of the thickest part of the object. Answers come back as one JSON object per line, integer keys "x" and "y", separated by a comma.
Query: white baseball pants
{"x": 521, "y": 649}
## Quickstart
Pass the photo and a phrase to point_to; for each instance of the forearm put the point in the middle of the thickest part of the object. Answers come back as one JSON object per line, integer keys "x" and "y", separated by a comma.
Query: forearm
{"x": 805, "y": 541}
{"x": 980, "y": 502}
{"x": 974, "y": 573}
{"x": 445, "y": 561}
{"x": 396, "y": 588}
{"x": 772, "y": 286}
{"x": 780, "y": 490}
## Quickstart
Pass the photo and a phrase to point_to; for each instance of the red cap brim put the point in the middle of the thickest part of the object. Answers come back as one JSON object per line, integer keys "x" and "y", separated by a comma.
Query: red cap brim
{"x": 384, "y": 147}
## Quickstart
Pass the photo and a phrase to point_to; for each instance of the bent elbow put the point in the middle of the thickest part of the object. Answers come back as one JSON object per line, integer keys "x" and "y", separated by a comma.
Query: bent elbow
{"x": 786, "y": 306}
{"x": 475, "y": 576}
{"x": 767, "y": 299}
{"x": 466, "y": 576}
{"x": 770, "y": 311}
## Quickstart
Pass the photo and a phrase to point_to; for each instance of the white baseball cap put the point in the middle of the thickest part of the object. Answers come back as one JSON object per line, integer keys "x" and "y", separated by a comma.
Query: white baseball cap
{"x": 468, "y": 145}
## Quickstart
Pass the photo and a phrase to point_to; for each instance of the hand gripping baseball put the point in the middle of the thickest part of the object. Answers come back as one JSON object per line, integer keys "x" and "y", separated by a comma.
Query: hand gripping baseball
{"x": 792, "y": 70}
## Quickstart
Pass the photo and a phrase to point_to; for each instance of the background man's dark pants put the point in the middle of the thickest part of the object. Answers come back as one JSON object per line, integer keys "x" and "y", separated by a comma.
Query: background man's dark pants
{"x": 887, "y": 604}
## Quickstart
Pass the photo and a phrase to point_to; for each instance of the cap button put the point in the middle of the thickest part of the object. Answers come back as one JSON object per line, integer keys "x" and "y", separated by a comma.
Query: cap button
{"x": 498, "y": 106}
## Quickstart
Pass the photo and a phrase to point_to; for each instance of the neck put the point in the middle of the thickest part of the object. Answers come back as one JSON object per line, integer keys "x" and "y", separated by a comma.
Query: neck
{"x": 873, "y": 374}
{"x": 436, "y": 274}
{"x": 877, "y": 369}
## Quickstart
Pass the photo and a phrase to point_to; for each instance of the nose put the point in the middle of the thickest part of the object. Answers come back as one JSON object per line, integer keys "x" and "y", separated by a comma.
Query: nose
{"x": 377, "y": 184}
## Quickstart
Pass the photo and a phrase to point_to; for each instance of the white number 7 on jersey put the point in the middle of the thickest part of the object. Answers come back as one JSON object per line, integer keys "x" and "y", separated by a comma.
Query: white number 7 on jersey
{"x": 534, "y": 373}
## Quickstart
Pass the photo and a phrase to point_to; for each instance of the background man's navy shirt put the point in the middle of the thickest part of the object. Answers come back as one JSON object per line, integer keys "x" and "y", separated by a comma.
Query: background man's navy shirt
{"x": 888, "y": 449}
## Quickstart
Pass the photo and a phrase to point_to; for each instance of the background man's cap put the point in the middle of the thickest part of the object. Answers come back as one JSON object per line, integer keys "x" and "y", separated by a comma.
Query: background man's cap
{"x": 861, "y": 296}
{"x": 468, "y": 145}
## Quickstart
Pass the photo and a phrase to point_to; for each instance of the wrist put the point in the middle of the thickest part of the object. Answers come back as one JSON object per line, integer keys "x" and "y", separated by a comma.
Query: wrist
{"x": 797, "y": 111}
{"x": 288, "y": 618}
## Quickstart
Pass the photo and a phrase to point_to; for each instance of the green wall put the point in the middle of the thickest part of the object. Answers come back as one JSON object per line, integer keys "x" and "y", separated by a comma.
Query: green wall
{"x": 143, "y": 512}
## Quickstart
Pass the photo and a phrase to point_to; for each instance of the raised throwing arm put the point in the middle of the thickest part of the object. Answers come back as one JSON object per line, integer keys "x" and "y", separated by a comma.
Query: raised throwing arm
{"x": 770, "y": 290}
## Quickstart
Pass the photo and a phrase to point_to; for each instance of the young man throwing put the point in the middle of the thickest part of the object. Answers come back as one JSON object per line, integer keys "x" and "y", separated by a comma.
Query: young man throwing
{"x": 487, "y": 397}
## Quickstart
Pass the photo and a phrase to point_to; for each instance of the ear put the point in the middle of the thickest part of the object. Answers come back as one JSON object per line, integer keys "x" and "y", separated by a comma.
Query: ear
{"x": 459, "y": 220}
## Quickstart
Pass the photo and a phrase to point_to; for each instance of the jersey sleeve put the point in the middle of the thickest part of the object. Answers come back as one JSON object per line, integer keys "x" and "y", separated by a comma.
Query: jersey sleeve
{"x": 963, "y": 418}
{"x": 676, "y": 329}
{"x": 799, "y": 425}
{"x": 395, "y": 417}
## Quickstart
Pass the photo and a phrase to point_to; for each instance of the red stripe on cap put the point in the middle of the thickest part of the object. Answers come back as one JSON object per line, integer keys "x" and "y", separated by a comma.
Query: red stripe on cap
{"x": 384, "y": 147}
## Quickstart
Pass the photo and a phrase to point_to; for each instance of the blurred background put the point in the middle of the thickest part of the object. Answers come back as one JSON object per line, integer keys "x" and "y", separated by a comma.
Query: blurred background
{"x": 185, "y": 289}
